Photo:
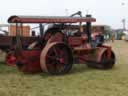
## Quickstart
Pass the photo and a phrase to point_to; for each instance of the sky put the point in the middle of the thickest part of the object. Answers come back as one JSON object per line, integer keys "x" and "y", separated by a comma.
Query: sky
{"x": 106, "y": 12}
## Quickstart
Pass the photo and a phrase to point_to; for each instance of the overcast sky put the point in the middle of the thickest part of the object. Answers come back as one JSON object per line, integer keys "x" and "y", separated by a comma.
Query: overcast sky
{"x": 107, "y": 12}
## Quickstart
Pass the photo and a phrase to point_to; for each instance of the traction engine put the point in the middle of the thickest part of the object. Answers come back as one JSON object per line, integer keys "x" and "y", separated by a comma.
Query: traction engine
{"x": 66, "y": 43}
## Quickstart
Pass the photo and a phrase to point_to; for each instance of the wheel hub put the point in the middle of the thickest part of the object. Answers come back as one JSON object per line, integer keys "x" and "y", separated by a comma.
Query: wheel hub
{"x": 61, "y": 60}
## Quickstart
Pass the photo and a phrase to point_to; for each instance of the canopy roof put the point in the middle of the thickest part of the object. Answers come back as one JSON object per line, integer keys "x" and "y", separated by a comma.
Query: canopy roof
{"x": 49, "y": 19}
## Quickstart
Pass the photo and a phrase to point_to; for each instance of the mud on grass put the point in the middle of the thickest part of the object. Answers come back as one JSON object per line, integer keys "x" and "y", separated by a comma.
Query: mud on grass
{"x": 81, "y": 81}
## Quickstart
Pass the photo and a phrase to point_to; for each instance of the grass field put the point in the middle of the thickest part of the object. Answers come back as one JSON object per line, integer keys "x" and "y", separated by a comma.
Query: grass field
{"x": 81, "y": 81}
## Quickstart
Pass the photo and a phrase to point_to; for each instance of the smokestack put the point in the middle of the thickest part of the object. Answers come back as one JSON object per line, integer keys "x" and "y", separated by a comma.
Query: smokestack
{"x": 124, "y": 24}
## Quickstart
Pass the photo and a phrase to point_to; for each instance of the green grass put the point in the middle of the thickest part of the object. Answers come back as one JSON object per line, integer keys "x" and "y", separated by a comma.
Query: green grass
{"x": 81, "y": 81}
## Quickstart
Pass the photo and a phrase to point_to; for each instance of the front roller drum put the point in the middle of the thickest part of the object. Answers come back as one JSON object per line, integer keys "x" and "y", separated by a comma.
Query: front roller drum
{"x": 56, "y": 58}
{"x": 105, "y": 62}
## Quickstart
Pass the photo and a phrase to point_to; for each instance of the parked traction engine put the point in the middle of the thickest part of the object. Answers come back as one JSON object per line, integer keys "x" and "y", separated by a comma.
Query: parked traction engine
{"x": 55, "y": 50}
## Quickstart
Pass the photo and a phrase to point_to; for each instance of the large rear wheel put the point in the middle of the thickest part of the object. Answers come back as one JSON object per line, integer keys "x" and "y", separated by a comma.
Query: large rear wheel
{"x": 56, "y": 58}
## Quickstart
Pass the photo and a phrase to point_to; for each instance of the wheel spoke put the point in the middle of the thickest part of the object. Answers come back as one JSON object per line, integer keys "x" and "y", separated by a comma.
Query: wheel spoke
{"x": 51, "y": 57}
{"x": 55, "y": 51}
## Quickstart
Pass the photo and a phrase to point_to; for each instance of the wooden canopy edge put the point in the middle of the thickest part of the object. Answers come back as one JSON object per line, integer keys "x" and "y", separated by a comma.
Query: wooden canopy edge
{"x": 49, "y": 19}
